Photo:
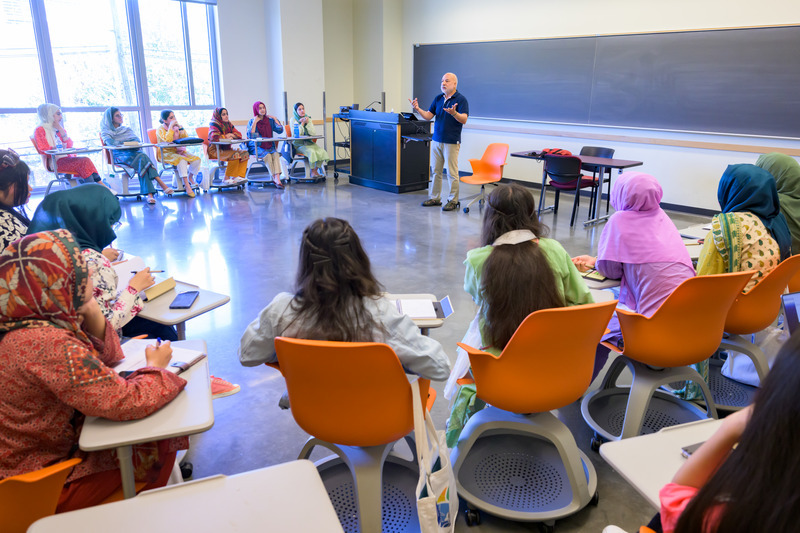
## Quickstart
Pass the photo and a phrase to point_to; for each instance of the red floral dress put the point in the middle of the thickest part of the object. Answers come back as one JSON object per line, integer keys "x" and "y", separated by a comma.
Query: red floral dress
{"x": 83, "y": 167}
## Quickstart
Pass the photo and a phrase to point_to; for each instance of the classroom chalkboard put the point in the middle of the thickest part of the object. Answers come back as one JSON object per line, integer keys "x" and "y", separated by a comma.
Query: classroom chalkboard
{"x": 738, "y": 81}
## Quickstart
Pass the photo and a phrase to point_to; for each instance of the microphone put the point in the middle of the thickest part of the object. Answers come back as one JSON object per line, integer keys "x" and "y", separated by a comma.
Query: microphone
{"x": 373, "y": 102}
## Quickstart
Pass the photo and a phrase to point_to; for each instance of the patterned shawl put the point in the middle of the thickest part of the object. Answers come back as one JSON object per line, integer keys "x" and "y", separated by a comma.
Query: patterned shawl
{"x": 117, "y": 135}
{"x": 786, "y": 172}
{"x": 88, "y": 212}
{"x": 747, "y": 187}
{"x": 43, "y": 279}
{"x": 220, "y": 128}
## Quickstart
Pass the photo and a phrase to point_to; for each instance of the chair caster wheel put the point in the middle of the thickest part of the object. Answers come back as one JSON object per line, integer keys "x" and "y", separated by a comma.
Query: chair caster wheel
{"x": 595, "y": 444}
{"x": 335, "y": 174}
{"x": 546, "y": 528}
{"x": 138, "y": 198}
{"x": 473, "y": 517}
{"x": 186, "y": 470}
{"x": 595, "y": 501}
{"x": 466, "y": 209}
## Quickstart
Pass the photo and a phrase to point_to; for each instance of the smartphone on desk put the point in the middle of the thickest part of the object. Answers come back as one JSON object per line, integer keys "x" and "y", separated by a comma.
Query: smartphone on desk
{"x": 184, "y": 300}
{"x": 687, "y": 451}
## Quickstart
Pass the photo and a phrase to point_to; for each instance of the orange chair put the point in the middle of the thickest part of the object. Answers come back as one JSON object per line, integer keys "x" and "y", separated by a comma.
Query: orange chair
{"x": 794, "y": 283}
{"x": 516, "y": 441}
{"x": 750, "y": 313}
{"x": 64, "y": 177}
{"x": 26, "y": 498}
{"x": 685, "y": 329}
{"x": 486, "y": 170}
{"x": 354, "y": 399}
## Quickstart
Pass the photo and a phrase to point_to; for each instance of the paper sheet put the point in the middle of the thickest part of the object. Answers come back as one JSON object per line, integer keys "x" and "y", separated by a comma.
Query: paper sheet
{"x": 417, "y": 308}
{"x": 135, "y": 358}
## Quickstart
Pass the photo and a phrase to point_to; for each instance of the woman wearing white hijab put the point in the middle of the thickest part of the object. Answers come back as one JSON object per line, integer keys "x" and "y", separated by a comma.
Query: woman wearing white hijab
{"x": 49, "y": 132}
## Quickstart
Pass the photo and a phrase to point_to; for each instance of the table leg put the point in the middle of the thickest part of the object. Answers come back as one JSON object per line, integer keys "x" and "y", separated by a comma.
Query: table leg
{"x": 543, "y": 209}
{"x": 125, "y": 458}
{"x": 598, "y": 194}
{"x": 181, "y": 327}
{"x": 425, "y": 331}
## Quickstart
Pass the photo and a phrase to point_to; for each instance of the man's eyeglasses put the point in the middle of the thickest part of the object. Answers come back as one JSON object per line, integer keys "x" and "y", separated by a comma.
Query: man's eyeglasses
{"x": 9, "y": 159}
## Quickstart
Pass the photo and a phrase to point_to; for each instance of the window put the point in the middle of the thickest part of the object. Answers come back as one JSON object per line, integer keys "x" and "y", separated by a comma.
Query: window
{"x": 93, "y": 68}
{"x": 18, "y": 58}
{"x": 164, "y": 52}
{"x": 197, "y": 17}
{"x": 87, "y": 56}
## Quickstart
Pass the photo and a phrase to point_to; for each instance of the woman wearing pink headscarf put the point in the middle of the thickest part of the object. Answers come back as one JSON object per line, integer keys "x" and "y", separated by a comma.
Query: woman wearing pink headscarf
{"x": 641, "y": 247}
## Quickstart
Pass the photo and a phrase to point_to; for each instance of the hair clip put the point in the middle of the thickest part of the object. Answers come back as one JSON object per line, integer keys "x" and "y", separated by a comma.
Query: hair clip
{"x": 9, "y": 159}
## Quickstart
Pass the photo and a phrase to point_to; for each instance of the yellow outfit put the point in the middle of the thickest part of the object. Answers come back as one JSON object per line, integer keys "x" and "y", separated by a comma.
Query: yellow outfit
{"x": 170, "y": 155}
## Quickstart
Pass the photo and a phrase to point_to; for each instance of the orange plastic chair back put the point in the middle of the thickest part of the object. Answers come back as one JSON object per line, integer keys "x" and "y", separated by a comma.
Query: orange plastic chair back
{"x": 758, "y": 308}
{"x": 202, "y": 132}
{"x": 26, "y": 498}
{"x": 489, "y": 168}
{"x": 350, "y": 393}
{"x": 106, "y": 153}
{"x": 794, "y": 283}
{"x": 548, "y": 362}
{"x": 151, "y": 135}
{"x": 688, "y": 326}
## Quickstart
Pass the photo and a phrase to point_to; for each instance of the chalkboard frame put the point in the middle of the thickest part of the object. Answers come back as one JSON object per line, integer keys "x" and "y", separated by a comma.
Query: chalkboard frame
{"x": 740, "y": 81}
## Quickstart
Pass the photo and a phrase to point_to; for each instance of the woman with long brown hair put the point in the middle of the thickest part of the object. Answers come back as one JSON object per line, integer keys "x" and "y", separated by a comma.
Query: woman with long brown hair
{"x": 744, "y": 478}
{"x": 517, "y": 271}
{"x": 337, "y": 298}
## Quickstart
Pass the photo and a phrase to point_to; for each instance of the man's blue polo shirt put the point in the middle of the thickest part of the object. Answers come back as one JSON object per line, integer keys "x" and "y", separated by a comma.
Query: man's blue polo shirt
{"x": 447, "y": 129}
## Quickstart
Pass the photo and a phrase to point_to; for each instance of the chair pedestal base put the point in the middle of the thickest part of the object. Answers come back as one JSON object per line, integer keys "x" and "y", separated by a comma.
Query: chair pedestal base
{"x": 729, "y": 394}
{"x": 371, "y": 488}
{"x": 621, "y": 412}
{"x": 522, "y": 467}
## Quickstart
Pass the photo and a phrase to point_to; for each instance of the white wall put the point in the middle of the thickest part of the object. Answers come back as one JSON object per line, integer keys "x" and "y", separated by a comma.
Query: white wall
{"x": 689, "y": 176}
{"x": 242, "y": 48}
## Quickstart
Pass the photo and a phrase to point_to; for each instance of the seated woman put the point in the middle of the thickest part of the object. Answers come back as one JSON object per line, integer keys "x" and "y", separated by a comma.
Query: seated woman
{"x": 187, "y": 164}
{"x": 750, "y": 234}
{"x": 221, "y": 128}
{"x": 337, "y": 298}
{"x": 90, "y": 216}
{"x": 641, "y": 247}
{"x": 115, "y": 134}
{"x": 786, "y": 171}
{"x": 15, "y": 191}
{"x": 55, "y": 350}
{"x": 517, "y": 271}
{"x": 302, "y": 126}
{"x": 754, "y": 486}
{"x": 50, "y": 134}
{"x": 264, "y": 126}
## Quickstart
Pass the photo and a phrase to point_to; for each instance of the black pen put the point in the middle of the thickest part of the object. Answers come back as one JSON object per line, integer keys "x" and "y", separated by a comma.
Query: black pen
{"x": 152, "y": 271}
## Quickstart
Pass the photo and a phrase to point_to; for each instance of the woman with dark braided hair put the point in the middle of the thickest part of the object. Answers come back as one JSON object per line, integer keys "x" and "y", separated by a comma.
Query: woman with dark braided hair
{"x": 517, "y": 271}
{"x": 337, "y": 298}
{"x": 15, "y": 191}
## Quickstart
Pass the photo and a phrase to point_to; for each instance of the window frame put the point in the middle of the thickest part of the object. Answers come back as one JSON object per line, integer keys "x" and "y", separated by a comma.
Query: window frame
{"x": 144, "y": 108}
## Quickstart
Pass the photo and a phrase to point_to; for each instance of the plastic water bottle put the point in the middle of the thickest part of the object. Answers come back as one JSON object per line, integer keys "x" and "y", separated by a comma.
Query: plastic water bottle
{"x": 59, "y": 144}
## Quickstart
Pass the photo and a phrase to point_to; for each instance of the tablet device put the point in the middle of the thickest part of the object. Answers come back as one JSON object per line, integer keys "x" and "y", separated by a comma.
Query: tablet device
{"x": 687, "y": 451}
{"x": 184, "y": 300}
{"x": 189, "y": 140}
{"x": 791, "y": 306}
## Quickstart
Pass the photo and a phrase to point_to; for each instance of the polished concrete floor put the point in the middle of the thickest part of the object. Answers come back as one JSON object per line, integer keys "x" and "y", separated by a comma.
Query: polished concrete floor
{"x": 245, "y": 243}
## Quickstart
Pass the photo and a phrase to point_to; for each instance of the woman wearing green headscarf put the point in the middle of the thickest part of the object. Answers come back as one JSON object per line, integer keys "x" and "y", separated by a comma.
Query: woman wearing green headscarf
{"x": 302, "y": 126}
{"x": 115, "y": 134}
{"x": 786, "y": 171}
{"x": 90, "y": 213}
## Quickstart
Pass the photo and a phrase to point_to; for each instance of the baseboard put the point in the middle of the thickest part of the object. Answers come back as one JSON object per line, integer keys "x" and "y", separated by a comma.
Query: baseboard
{"x": 586, "y": 193}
